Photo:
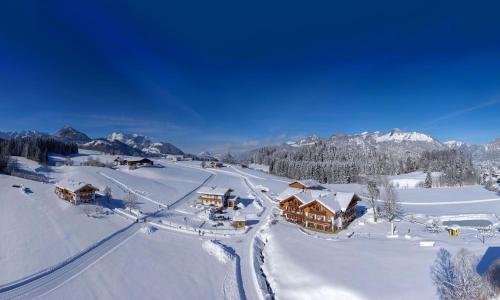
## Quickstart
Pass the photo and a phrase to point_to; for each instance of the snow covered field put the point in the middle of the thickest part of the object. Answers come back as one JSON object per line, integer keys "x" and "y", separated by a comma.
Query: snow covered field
{"x": 187, "y": 257}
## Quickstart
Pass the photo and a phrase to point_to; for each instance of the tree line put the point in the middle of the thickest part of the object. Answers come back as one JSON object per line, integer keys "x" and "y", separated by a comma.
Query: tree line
{"x": 34, "y": 148}
{"x": 346, "y": 164}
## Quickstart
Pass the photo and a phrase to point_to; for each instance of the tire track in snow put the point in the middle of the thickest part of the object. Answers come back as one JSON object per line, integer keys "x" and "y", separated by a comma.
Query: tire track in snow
{"x": 51, "y": 278}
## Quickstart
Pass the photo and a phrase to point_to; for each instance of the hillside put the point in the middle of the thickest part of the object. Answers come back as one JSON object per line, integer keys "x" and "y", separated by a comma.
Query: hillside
{"x": 348, "y": 158}
{"x": 115, "y": 143}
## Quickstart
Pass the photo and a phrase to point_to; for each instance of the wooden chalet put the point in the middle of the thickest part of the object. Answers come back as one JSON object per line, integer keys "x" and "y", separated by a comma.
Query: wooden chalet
{"x": 291, "y": 206}
{"x": 330, "y": 213}
{"x": 307, "y": 184}
{"x": 75, "y": 191}
{"x": 216, "y": 196}
{"x": 327, "y": 213}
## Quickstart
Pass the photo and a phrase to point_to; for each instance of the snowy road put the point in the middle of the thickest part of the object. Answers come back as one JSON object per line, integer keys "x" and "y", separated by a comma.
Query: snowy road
{"x": 245, "y": 245}
{"x": 43, "y": 283}
{"x": 46, "y": 281}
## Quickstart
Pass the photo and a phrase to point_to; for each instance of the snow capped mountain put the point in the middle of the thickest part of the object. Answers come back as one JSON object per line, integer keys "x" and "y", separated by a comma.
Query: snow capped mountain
{"x": 394, "y": 138}
{"x": 22, "y": 134}
{"x": 310, "y": 140}
{"x": 112, "y": 147}
{"x": 144, "y": 143}
{"x": 453, "y": 144}
{"x": 396, "y": 142}
{"x": 396, "y": 135}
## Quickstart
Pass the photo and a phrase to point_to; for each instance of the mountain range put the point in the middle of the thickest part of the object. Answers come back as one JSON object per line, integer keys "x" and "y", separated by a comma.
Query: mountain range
{"x": 116, "y": 143}
{"x": 398, "y": 141}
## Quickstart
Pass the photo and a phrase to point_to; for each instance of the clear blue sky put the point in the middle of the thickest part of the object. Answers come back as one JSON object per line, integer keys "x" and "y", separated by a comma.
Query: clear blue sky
{"x": 238, "y": 74}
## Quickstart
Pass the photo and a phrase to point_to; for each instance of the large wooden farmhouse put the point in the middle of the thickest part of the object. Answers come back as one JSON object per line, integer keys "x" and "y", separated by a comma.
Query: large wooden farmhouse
{"x": 328, "y": 213}
{"x": 290, "y": 206}
{"x": 216, "y": 196}
{"x": 75, "y": 191}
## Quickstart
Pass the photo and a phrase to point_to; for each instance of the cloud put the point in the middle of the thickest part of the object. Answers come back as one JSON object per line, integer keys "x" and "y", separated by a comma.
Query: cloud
{"x": 461, "y": 112}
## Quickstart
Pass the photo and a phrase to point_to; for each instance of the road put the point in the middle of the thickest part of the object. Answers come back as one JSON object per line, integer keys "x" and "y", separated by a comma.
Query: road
{"x": 42, "y": 283}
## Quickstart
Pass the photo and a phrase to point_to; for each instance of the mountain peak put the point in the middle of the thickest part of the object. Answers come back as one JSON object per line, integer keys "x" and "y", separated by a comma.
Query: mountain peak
{"x": 70, "y": 134}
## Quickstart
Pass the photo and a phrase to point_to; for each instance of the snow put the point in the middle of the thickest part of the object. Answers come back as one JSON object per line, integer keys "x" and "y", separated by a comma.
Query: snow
{"x": 215, "y": 249}
{"x": 177, "y": 253}
{"x": 411, "y": 180}
{"x": 45, "y": 231}
{"x": 217, "y": 191}
{"x": 399, "y": 136}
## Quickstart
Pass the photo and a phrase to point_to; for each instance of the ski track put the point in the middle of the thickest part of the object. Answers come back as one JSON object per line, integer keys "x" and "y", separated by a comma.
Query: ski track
{"x": 51, "y": 278}
{"x": 46, "y": 281}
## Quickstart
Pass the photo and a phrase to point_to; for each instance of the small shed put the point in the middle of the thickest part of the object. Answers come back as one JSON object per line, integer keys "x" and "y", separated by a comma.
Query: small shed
{"x": 239, "y": 222}
{"x": 454, "y": 230}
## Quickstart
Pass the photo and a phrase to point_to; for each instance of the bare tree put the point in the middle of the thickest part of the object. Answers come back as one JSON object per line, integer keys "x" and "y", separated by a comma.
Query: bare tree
{"x": 107, "y": 194}
{"x": 457, "y": 279}
{"x": 131, "y": 201}
{"x": 373, "y": 195}
{"x": 87, "y": 209}
{"x": 391, "y": 208}
{"x": 68, "y": 161}
{"x": 443, "y": 275}
{"x": 468, "y": 283}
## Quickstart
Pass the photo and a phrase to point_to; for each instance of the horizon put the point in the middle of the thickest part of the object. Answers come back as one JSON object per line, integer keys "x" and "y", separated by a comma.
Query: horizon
{"x": 214, "y": 79}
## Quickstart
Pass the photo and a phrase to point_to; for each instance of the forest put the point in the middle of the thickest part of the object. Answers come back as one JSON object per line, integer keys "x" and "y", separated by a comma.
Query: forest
{"x": 34, "y": 148}
{"x": 346, "y": 164}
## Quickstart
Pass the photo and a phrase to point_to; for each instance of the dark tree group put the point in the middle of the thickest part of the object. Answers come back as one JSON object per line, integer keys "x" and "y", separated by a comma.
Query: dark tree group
{"x": 333, "y": 164}
{"x": 35, "y": 148}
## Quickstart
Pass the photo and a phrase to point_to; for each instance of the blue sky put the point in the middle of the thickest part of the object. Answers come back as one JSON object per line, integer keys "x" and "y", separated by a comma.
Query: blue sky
{"x": 235, "y": 75}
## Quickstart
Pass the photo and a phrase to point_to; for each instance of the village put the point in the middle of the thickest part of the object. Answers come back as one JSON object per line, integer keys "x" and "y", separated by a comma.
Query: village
{"x": 235, "y": 214}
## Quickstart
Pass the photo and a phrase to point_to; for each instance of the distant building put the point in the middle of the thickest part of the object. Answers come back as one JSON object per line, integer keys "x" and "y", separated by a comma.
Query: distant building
{"x": 307, "y": 184}
{"x": 119, "y": 161}
{"x": 174, "y": 157}
{"x": 239, "y": 222}
{"x": 232, "y": 201}
{"x": 328, "y": 212}
{"x": 216, "y": 196}
{"x": 75, "y": 191}
{"x": 214, "y": 164}
{"x": 139, "y": 163}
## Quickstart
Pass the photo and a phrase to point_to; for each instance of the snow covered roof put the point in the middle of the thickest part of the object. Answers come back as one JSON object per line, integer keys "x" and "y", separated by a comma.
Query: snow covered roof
{"x": 344, "y": 199}
{"x": 73, "y": 185}
{"x": 209, "y": 190}
{"x": 308, "y": 183}
{"x": 330, "y": 202}
{"x": 334, "y": 201}
{"x": 293, "y": 191}
{"x": 240, "y": 218}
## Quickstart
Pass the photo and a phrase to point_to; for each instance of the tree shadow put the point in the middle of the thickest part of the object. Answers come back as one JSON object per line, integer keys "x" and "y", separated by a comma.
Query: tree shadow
{"x": 360, "y": 210}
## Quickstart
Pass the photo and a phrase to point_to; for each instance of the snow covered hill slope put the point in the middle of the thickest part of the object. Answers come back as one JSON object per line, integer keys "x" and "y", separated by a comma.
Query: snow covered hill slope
{"x": 144, "y": 143}
{"x": 393, "y": 141}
